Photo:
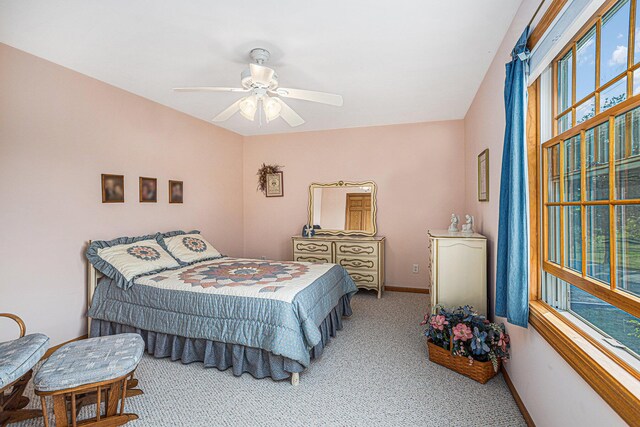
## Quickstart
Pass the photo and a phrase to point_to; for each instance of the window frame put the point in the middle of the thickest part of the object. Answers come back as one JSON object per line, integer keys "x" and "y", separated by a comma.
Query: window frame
{"x": 610, "y": 376}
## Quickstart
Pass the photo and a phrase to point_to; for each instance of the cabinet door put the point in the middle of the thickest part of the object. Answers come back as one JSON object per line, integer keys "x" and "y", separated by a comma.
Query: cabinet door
{"x": 461, "y": 273}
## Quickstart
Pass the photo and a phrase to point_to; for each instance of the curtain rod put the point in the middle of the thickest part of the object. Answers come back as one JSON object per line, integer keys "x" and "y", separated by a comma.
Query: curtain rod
{"x": 536, "y": 14}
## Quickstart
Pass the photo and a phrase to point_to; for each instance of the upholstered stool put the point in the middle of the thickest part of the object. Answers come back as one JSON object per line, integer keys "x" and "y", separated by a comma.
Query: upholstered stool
{"x": 17, "y": 359}
{"x": 90, "y": 371}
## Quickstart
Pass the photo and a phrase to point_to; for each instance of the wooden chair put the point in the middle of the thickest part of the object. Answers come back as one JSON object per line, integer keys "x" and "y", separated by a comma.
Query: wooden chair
{"x": 17, "y": 359}
{"x": 87, "y": 372}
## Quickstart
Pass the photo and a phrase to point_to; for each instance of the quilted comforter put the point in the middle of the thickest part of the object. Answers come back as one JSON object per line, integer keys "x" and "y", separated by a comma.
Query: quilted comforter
{"x": 273, "y": 305}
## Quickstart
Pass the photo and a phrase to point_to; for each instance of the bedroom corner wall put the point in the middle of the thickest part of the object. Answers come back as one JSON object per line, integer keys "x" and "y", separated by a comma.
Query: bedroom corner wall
{"x": 419, "y": 169}
{"x": 59, "y": 130}
{"x": 554, "y": 394}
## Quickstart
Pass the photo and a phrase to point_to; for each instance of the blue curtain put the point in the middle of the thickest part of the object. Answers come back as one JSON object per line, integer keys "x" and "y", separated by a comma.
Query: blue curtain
{"x": 512, "y": 276}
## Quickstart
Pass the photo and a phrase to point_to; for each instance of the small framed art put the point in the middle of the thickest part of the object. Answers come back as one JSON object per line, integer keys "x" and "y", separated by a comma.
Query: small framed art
{"x": 112, "y": 188}
{"x": 176, "y": 194}
{"x": 148, "y": 190}
{"x": 275, "y": 185}
{"x": 483, "y": 176}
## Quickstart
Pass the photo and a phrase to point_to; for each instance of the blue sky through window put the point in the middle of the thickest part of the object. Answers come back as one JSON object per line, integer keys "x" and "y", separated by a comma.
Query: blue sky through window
{"x": 586, "y": 65}
{"x": 614, "y": 42}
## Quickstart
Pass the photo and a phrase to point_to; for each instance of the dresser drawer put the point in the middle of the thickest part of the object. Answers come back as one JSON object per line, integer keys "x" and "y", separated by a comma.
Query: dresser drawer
{"x": 355, "y": 262}
{"x": 315, "y": 248}
{"x": 364, "y": 277}
{"x": 319, "y": 258}
{"x": 349, "y": 248}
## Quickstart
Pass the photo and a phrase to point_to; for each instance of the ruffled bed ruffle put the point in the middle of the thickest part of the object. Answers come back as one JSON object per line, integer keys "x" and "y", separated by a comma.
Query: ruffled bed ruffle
{"x": 257, "y": 362}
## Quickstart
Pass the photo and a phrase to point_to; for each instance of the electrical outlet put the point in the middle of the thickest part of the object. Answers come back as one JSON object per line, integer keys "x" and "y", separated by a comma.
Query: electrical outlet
{"x": 416, "y": 268}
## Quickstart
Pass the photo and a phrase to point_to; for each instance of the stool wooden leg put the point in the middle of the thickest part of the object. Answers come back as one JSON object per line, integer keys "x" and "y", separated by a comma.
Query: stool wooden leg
{"x": 45, "y": 413}
{"x": 124, "y": 395}
{"x": 98, "y": 403}
{"x": 114, "y": 398}
{"x": 73, "y": 410}
{"x": 60, "y": 410}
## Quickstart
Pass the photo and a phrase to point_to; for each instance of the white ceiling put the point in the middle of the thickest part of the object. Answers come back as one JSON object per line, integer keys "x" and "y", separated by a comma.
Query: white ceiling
{"x": 399, "y": 61}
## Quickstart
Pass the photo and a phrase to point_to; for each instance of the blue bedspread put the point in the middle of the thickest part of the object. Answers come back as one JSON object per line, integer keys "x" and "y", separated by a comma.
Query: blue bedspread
{"x": 276, "y": 306}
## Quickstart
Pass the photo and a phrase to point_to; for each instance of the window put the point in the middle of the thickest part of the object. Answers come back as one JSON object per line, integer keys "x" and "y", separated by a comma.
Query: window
{"x": 584, "y": 190}
{"x": 614, "y": 326}
{"x": 591, "y": 226}
{"x": 598, "y": 71}
{"x": 591, "y": 188}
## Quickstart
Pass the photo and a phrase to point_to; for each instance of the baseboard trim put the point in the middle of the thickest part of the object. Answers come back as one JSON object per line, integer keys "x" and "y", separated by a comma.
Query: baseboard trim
{"x": 55, "y": 347}
{"x": 516, "y": 397}
{"x": 405, "y": 289}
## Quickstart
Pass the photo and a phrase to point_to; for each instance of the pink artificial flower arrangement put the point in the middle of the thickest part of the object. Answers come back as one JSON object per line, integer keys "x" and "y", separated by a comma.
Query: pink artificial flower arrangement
{"x": 467, "y": 334}
{"x": 462, "y": 332}
{"x": 439, "y": 322}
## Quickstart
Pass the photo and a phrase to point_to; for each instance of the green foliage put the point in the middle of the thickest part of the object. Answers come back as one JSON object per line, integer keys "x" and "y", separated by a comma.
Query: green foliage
{"x": 636, "y": 325}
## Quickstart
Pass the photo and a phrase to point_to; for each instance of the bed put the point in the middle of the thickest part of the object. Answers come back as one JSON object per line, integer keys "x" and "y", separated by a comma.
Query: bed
{"x": 268, "y": 318}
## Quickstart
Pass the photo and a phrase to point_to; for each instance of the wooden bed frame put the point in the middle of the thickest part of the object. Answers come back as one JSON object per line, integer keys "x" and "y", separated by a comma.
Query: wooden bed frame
{"x": 94, "y": 275}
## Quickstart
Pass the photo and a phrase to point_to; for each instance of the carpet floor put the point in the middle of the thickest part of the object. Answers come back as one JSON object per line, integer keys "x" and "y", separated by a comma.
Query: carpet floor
{"x": 375, "y": 372}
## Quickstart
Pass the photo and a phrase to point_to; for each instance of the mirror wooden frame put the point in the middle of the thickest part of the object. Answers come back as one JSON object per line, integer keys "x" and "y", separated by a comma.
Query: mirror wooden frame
{"x": 346, "y": 184}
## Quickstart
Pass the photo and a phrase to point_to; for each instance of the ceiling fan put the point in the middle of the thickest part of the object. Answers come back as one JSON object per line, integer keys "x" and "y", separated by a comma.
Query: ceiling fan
{"x": 261, "y": 84}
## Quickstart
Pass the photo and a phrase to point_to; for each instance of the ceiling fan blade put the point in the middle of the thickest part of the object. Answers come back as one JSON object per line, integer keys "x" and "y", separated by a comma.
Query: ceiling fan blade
{"x": 261, "y": 74}
{"x": 230, "y": 111}
{"x": 288, "y": 115}
{"x": 310, "y": 95}
{"x": 209, "y": 89}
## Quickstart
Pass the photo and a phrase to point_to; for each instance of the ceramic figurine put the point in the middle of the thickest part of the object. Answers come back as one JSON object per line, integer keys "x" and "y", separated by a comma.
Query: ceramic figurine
{"x": 454, "y": 223}
{"x": 308, "y": 231}
{"x": 468, "y": 227}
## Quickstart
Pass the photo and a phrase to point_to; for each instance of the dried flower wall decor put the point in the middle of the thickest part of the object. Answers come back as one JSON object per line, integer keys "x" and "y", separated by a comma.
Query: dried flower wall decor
{"x": 262, "y": 176}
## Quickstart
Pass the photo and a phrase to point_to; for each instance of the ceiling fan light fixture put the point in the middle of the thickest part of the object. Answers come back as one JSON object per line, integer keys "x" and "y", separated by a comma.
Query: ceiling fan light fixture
{"x": 248, "y": 107}
{"x": 261, "y": 84}
{"x": 272, "y": 108}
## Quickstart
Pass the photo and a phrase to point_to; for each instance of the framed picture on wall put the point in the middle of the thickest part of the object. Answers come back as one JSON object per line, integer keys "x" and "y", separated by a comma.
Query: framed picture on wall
{"x": 275, "y": 187}
{"x": 112, "y": 188}
{"x": 176, "y": 189}
{"x": 148, "y": 190}
{"x": 483, "y": 176}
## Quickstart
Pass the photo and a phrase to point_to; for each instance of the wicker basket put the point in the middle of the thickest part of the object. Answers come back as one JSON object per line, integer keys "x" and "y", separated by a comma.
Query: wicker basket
{"x": 479, "y": 371}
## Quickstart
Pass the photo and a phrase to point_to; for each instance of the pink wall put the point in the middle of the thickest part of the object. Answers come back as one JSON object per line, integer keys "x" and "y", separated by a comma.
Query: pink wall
{"x": 552, "y": 391}
{"x": 59, "y": 130}
{"x": 419, "y": 169}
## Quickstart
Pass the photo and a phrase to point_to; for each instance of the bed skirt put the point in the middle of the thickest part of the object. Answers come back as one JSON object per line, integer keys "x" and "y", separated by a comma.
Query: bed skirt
{"x": 258, "y": 362}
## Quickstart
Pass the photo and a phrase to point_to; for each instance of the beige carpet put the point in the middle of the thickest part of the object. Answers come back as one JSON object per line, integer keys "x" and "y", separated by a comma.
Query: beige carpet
{"x": 376, "y": 372}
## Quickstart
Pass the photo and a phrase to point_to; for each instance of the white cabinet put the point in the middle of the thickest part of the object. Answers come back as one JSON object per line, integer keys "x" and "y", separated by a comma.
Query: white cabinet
{"x": 458, "y": 264}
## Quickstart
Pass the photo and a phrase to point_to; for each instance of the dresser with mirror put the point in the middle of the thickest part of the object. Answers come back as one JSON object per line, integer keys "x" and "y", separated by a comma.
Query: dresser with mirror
{"x": 343, "y": 217}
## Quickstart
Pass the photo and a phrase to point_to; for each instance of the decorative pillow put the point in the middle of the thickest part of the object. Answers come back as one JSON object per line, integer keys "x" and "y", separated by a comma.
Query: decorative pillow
{"x": 189, "y": 247}
{"x": 126, "y": 258}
